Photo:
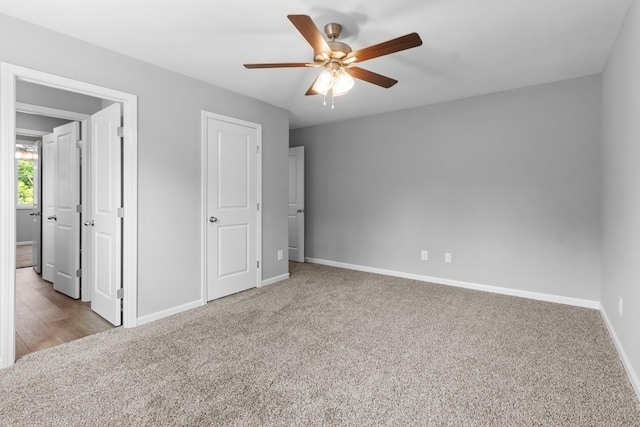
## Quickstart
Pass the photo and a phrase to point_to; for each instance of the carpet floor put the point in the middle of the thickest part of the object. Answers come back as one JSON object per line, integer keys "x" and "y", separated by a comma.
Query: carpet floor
{"x": 335, "y": 347}
{"x": 24, "y": 256}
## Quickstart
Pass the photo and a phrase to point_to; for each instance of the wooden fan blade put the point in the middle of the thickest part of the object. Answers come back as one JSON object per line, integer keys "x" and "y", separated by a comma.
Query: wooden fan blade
{"x": 396, "y": 45}
{"x": 280, "y": 65}
{"x": 310, "y": 32}
{"x": 371, "y": 77}
{"x": 311, "y": 91}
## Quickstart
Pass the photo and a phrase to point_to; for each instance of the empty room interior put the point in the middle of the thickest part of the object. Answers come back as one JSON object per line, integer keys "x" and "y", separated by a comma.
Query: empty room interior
{"x": 365, "y": 213}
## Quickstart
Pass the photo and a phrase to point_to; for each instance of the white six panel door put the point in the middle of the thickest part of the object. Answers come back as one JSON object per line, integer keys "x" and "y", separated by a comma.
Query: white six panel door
{"x": 296, "y": 204}
{"x": 232, "y": 206}
{"x": 104, "y": 224}
{"x": 48, "y": 205}
{"x": 66, "y": 217}
{"x": 37, "y": 210}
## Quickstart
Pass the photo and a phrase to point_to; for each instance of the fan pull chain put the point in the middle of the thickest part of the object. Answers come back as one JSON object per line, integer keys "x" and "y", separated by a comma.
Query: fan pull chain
{"x": 324, "y": 101}
{"x": 332, "y": 98}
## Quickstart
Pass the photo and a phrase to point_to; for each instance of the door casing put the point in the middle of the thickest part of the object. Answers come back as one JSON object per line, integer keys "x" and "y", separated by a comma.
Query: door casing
{"x": 9, "y": 73}
{"x": 203, "y": 198}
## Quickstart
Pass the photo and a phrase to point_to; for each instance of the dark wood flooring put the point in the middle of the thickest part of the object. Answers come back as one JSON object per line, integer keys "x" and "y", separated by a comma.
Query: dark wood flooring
{"x": 45, "y": 318}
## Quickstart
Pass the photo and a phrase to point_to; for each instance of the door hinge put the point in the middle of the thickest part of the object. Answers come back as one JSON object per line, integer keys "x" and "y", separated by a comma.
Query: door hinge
{"x": 79, "y": 208}
{"x": 258, "y": 206}
{"x": 120, "y": 131}
{"x": 257, "y": 149}
{"x": 120, "y": 212}
{"x": 258, "y": 264}
{"x": 79, "y": 144}
{"x": 79, "y": 272}
{"x": 120, "y": 293}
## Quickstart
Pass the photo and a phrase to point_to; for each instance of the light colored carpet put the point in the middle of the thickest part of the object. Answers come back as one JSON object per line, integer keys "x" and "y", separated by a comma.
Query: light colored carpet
{"x": 24, "y": 256}
{"x": 335, "y": 347}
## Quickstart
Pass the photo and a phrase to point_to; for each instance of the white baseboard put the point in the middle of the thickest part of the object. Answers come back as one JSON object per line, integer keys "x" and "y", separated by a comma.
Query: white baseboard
{"x": 276, "y": 279}
{"x": 631, "y": 373}
{"x": 168, "y": 312}
{"x": 23, "y": 243}
{"x": 467, "y": 285}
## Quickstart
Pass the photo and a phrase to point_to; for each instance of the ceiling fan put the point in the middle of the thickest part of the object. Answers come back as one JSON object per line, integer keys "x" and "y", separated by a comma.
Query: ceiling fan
{"x": 337, "y": 59}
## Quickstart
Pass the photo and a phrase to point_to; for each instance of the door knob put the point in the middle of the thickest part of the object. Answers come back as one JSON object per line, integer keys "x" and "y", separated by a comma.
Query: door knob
{"x": 52, "y": 217}
{"x": 213, "y": 219}
{"x": 89, "y": 223}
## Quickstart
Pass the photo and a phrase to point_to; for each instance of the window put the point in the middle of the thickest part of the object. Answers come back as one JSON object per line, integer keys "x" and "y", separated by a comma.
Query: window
{"x": 25, "y": 155}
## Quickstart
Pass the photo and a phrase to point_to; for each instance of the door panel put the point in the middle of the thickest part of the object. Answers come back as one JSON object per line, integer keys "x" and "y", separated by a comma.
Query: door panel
{"x": 66, "y": 217}
{"x": 103, "y": 223}
{"x": 48, "y": 205}
{"x": 296, "y": 204}
{"x": 232, "y": 184}
{"x": 36, "y": 213}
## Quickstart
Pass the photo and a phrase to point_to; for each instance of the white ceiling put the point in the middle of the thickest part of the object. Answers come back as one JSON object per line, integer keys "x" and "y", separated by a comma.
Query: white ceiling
{"x": 470, "y": 47}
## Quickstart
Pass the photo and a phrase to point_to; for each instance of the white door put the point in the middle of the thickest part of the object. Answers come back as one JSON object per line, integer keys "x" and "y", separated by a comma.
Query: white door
{"x": 36, "y": 213}
{"x": 66, "y": 218}
{"x": 48, "y": 205}
{"x": 296, "y": 204}
{"x": 103, "y": 221}
{"x": 232, "y": 207}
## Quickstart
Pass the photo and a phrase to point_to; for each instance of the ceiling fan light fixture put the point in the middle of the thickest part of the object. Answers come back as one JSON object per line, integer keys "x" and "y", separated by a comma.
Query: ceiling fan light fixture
{"x": 343, "y": 83}
{"x": 324, "y": 82}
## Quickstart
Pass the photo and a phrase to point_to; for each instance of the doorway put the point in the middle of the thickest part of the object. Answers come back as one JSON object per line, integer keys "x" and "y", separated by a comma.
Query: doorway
{"x": 296, "y": 204}
{"x": 9, "y": 75}
{"x": 231, "y": 199}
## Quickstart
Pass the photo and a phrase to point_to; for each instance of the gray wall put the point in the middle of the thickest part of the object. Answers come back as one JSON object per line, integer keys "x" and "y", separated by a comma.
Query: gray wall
{"x": 508, "y": 183}
{"x": 36, "y": 122}
{"x": 169, "y": 108}
{"x": 44, "y": 96}
{"x": 620, "y": 195}
{"x": 24, "y": 226}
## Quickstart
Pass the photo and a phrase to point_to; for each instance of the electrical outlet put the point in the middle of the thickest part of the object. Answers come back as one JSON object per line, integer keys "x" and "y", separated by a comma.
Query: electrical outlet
{"x": 620, "y": 306}
{"x": 447, "y": 257}
{"x": 424, "y": 255}
{"x": 280, "y": 255}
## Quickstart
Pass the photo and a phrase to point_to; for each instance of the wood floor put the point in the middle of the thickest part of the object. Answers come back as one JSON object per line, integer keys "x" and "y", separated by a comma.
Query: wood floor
{"x": 45, "y": 318}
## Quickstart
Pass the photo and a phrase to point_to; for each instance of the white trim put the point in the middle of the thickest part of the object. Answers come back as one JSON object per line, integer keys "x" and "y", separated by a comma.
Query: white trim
{"x": 204, "y": 115}
{"x": 56, "y": 113}
{"x": 9, "y": 73}
{"x": 168, "y": 312}
{"x": 24, "y": 243}
{"x": 7, "y": 217}
{"x": 631, "y": 373}
{"x": 467, "y": 285}
{"x": 276, "y": 279}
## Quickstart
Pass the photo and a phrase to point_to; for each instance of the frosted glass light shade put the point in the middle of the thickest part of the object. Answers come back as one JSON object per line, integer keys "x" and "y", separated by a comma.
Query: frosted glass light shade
{"x": 324, "y": 82}
{"x": 343, "y": 83}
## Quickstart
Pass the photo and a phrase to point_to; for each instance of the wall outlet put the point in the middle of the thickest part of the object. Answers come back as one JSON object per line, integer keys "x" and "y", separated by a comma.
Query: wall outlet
{"x": 280, "y": 255}
{"x": 424, "y": 255}
{"x": 620, "y": 306}
{"x": 447, "y": 257}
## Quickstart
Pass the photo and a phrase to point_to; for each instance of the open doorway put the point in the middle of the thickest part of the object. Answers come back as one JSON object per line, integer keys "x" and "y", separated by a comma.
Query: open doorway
{"x": 48, "y": 306}
{"x": 127, "y": 212}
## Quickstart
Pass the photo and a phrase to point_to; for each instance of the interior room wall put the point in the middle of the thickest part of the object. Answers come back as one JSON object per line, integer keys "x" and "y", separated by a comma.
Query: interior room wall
{"x": 24, "y": 226}
{"x": 508, "y": 183}
{"x": 169, "y": 108}
{"x": 36, "y": 122}
{"x": 620, "y": 196}
{"x": 43, "y": 96}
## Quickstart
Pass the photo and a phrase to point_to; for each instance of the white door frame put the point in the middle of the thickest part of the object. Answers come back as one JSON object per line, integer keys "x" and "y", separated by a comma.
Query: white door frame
{"x": 9, "y": 73}
{"x": 203, "y": 196}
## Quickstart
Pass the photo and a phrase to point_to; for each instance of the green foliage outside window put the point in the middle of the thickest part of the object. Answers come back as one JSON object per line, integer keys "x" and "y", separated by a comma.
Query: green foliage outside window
{"x": 25, "y": 182}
